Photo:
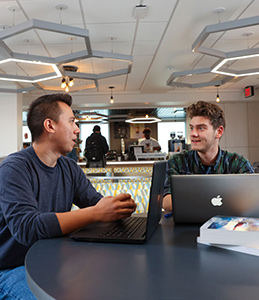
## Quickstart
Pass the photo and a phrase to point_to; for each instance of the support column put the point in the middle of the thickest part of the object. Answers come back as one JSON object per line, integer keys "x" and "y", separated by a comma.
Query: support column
{"x": 11, "y": 106}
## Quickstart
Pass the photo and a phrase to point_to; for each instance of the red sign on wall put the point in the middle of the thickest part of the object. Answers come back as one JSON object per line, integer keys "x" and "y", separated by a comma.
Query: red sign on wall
{"x": 249, "y": 91}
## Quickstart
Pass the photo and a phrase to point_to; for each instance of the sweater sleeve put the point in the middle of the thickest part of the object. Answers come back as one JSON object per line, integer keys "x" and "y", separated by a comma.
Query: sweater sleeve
{"x": 20, "y": 209}
{"x": 85, "y": 194}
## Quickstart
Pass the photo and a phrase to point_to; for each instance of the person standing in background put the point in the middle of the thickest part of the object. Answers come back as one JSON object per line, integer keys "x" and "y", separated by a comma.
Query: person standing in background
{"x": 75, "y": 153}
{"x": 149, "y": 143}
{"x": 95, "y": 149}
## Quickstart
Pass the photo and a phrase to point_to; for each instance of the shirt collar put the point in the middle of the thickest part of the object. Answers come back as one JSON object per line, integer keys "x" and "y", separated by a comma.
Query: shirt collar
{"x": 216, "y": 163}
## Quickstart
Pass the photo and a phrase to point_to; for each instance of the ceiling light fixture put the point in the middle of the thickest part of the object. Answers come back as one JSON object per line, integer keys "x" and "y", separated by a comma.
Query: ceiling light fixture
{"x": 35, "y": 79}
{"x": 68, "y": 82}
{"x": 63, "y": 83}
{"x": 228, "y": 56}
{"x": 71, "y": 82}
{"x": 229, "y": 72}
{"x": 112, "y": 100}
{"x": 224, "y": 57}
{"x": 217, "y": 98}
{"x": 172, "y": 80}
{"x": 145, "y": 119}
{"x": 90, "y": 117}
{"x": 55, "y": 62}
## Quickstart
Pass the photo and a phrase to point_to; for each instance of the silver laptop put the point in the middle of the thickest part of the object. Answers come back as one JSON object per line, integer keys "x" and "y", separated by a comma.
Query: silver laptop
{"x": 133, "y": 229}
{"x": 197, "y": 198}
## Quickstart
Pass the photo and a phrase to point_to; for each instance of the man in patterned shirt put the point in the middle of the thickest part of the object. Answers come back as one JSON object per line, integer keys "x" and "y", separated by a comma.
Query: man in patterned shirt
{"x": 207, "y": 126}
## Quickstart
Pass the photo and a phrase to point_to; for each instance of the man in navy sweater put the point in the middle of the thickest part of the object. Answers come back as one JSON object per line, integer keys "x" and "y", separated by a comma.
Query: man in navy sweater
{"x": 38, "y": 186}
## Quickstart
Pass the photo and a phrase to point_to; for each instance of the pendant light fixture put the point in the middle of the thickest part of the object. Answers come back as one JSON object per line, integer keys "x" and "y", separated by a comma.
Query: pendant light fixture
{"x": 217, "y": 98}
{"x": 63, "y": 83}
{"x": 147, "y": 119}
{"x": 68, "y": 82}
{"x": 112, "y": 100}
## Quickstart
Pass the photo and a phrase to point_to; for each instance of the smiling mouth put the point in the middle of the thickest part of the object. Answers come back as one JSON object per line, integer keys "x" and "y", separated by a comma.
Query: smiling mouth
{"x": 196, "y": 141}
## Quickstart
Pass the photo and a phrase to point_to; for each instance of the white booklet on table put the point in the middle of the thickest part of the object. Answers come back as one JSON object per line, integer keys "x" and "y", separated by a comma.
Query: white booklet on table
{"x": 241, "y": 249}
{"x": 231, "y": 231}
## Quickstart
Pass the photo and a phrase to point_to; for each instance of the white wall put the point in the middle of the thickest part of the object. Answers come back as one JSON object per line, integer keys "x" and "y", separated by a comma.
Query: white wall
{"x": 10, "y": 123}
{"x": 253, "y": 131}
{"x": 242, "y": 134}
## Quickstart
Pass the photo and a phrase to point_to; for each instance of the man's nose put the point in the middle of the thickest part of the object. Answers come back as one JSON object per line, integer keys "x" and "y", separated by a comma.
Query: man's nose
{"x": 194, "y": 132}
{"x": 77, "y": 130}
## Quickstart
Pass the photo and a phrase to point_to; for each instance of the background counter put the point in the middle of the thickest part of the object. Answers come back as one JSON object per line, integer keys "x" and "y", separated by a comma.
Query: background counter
{"x": 123, "y": 177}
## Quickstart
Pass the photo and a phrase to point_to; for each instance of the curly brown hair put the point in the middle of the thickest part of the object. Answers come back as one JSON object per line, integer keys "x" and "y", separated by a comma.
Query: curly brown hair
{"x": 210, "y": 110}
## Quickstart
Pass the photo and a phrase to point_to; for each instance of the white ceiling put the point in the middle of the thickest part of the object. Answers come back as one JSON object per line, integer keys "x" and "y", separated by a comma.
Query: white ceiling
{"x": 160, "y": 44}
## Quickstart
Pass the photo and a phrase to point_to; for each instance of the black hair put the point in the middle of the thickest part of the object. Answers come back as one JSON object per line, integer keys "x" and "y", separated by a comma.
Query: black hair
{"x": 42, "y": 108}
{"x": 96, "y": 128}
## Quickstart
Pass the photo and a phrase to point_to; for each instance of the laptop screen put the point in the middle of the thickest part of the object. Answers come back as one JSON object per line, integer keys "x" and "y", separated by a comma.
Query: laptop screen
{"x": 197, "y": 198}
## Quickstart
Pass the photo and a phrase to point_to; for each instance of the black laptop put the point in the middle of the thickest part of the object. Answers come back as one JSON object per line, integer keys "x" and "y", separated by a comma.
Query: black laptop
{"x": 197, "y": 198}
{"x": 135, "y": 229}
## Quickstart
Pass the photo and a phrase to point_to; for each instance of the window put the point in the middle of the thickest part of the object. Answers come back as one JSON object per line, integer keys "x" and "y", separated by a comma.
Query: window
{"x": 87, "y": 129}
{"x": 164, "y": 129}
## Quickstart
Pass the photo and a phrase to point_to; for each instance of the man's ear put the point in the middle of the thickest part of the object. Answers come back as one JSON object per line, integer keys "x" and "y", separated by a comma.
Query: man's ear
{"x": 220, "y": 131}
{"x": 49, "y": 125}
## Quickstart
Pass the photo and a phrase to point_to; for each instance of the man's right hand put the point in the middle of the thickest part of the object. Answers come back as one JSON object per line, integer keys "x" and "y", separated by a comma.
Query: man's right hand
{"x": 115, "y": 208}
{"x": 106, "y": 210}
{"x": 167, "y": 203}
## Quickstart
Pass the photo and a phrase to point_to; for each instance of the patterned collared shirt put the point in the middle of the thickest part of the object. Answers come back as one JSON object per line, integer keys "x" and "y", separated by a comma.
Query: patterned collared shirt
{"x": 188, "y": 162}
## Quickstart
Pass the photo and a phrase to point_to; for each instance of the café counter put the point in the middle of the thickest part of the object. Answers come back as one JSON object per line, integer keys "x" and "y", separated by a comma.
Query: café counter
{"x": 124, "y": 164}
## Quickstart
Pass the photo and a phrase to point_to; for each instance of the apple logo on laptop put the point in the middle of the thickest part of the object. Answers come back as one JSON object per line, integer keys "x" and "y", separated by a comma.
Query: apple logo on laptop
{"x": 216, "y": 201}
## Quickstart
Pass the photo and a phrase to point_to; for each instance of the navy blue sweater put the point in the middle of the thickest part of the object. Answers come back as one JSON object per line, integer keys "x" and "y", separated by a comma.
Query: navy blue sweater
{"x": 30, "y": 194}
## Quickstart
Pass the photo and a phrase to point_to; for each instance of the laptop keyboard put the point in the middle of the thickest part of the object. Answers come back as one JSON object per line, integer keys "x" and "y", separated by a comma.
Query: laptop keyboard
{"x": 124, "y": 228}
